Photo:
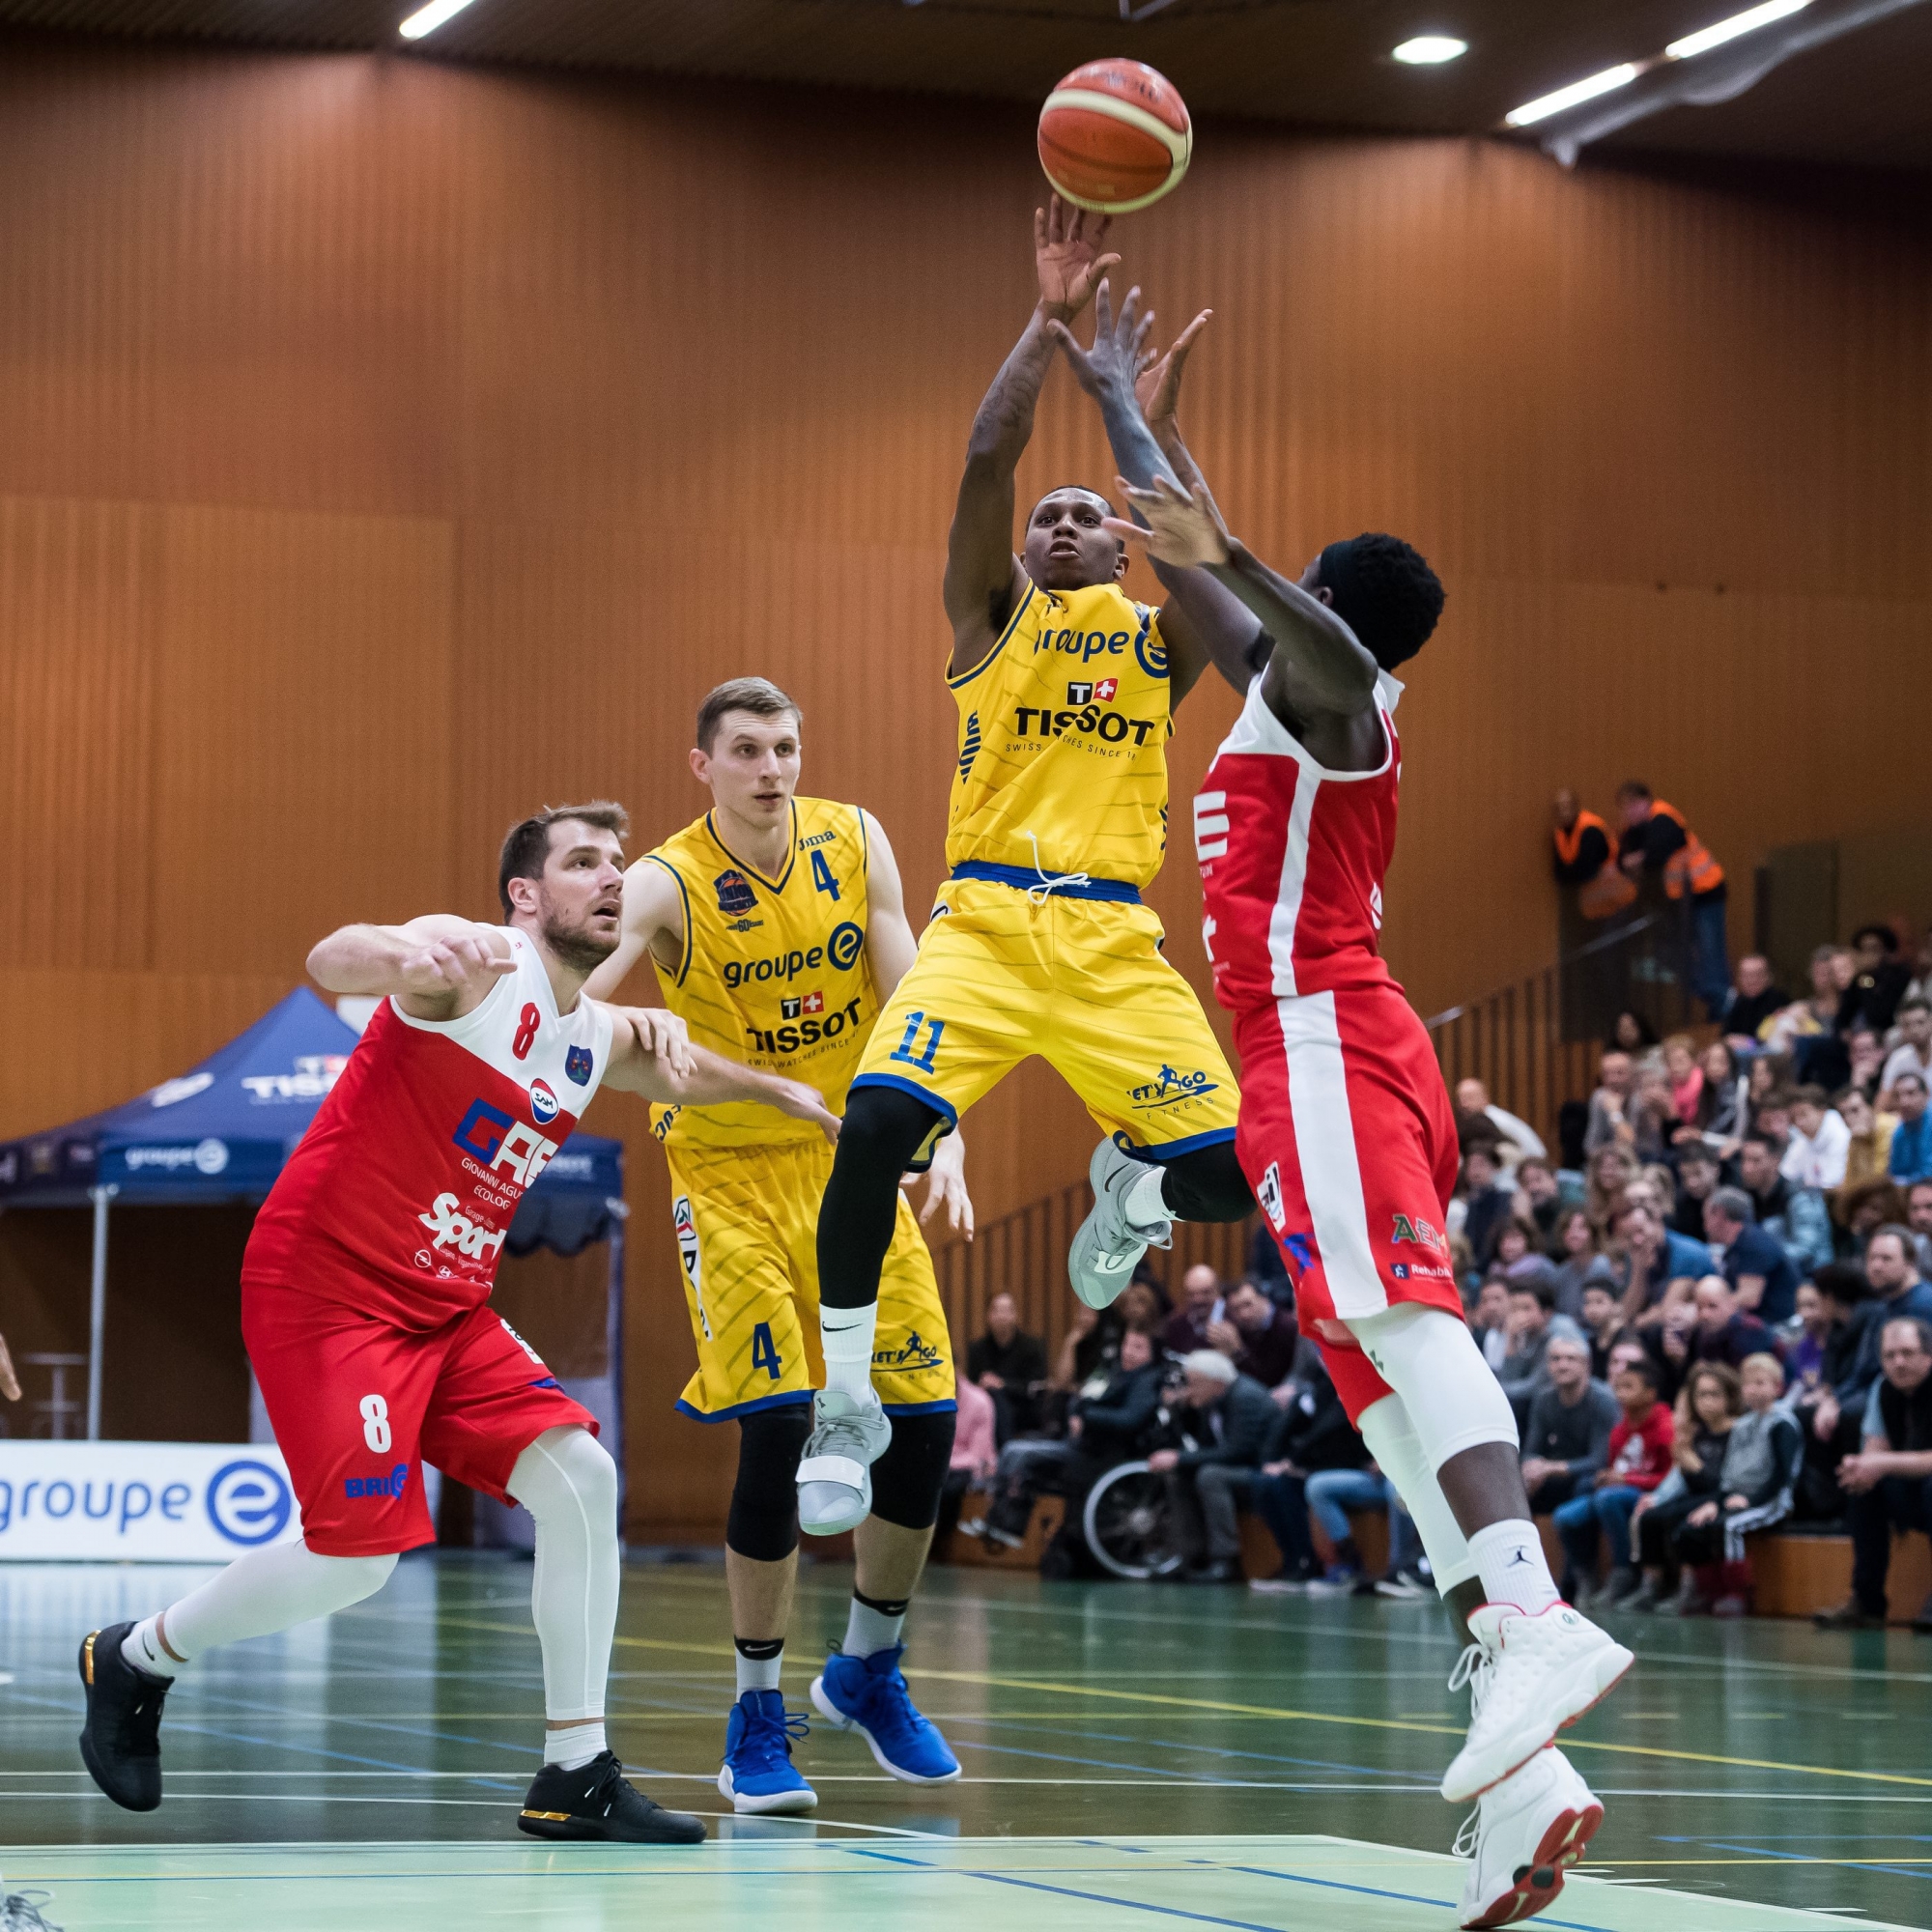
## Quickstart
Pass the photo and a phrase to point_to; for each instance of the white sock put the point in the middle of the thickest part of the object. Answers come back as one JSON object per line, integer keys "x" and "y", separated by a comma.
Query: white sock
{"x": 846, "y": 1337}
{"x": 569, "y": 1485}
{"x": 1513, "y": 1568}
{"x": 1146, "y": 1204}
{"x": 142, "y": 1647}
{"x": 269, "y": 1590}
{"x": 574, "y": 1746}
{"x": 759, "y": 1673}
{"x": 868, "y": 1630}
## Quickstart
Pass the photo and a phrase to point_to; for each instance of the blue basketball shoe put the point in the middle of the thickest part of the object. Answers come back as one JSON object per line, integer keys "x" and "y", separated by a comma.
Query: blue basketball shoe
{"x": 869, "y": 1694}
{"x": 758, "y": 1774}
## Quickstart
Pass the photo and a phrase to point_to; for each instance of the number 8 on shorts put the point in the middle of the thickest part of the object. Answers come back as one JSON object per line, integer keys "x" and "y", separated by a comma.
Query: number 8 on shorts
{"x": 375, "y": 1413}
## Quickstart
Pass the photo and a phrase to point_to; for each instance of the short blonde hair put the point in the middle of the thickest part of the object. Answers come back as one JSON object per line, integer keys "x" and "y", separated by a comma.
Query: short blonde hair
{"x": 1762, "y": 1360}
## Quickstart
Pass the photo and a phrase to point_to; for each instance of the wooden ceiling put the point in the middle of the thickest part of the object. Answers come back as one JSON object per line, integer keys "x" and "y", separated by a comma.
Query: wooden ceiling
{"x": 1861, "y": 101}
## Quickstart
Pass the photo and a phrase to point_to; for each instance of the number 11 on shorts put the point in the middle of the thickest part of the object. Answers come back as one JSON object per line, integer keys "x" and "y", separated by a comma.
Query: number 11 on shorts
{"x": 922, "y": 1057}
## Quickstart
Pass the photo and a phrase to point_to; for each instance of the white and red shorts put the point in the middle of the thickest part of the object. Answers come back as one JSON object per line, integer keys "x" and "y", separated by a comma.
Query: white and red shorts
{"x": 1348, "y": 1141}
{"x": 358, "y": 1404}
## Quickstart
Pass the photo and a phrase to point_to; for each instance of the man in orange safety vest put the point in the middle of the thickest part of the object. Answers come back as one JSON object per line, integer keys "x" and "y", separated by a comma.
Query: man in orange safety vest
{"x": 1657, "y": 839}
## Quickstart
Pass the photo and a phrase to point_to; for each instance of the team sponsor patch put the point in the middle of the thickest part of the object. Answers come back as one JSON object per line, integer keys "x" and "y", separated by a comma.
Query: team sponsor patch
{"x": 543, "y": 1103}
{"x": 576, "y": 1066}
{"x": 1413, "y": 1228}
{"x": 1268, "y": 1194}
{"x": 393, "y": 1484}
{"x": 686, "y": 1228}
{"x": 735, "y": 891}
{"x": 1168, "y": 1086}
{"x": 916, "y": 1353}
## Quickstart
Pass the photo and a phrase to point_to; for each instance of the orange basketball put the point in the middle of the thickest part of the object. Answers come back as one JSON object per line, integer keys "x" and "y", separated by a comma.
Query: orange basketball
{"x": 1115, "y": 135}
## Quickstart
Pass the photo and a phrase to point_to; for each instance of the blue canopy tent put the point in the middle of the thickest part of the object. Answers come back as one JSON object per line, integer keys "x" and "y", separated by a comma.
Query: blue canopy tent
{"x": 223, "y": 1131}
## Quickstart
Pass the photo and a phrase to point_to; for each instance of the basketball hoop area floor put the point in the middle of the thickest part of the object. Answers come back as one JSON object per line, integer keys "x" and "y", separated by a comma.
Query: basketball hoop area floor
{"x": 1133, "y": 1754}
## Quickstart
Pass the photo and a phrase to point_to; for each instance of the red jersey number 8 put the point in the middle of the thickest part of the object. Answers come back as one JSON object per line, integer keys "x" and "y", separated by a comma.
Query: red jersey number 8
{"x": 526, "y": 1030}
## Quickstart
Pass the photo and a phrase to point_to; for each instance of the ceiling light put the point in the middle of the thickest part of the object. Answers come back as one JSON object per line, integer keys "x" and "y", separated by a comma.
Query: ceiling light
{"x": 1430, "y": 50}
{"x": 427, "y": 19}
{"x": 1572, "y": 95}
{"x": 1728, "y": 30}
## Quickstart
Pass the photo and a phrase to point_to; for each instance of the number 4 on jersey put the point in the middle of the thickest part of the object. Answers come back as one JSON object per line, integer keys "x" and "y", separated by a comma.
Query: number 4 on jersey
{"x": 821, "y": 877}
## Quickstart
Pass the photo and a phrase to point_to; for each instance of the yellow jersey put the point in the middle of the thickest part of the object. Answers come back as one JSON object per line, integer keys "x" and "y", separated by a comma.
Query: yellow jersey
{"x": 1063, "y": 734}
{"x": 775, "y": 972}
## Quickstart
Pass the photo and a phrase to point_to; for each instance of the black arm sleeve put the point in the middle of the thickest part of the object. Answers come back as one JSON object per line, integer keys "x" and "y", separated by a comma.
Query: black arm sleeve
{"x": 1593, "y": 849}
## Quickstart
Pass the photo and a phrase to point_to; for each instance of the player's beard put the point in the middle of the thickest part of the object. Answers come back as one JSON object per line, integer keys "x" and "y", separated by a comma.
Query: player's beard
{"x": 582, "y": 951}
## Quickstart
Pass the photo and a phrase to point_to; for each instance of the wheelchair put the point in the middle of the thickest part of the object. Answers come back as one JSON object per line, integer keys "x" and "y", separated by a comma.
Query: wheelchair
{"x": 1127, "y": 1524}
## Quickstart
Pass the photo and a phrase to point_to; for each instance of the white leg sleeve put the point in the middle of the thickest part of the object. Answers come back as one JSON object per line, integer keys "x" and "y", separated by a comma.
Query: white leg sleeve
{"x": 1431, "y": 1360}
{"x": 569, "y": 1483}
{"x": 1386, "y": 1429}
{"x": 270, "y": 1590}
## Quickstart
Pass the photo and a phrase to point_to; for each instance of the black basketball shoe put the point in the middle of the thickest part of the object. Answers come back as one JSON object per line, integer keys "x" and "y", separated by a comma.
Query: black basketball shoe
{"x": 120, "y": 1743}
{"x": 597, "y": 1800}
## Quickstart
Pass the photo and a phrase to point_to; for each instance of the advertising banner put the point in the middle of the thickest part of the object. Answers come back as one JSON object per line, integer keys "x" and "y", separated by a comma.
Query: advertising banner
{"x": 143, "y": 1502}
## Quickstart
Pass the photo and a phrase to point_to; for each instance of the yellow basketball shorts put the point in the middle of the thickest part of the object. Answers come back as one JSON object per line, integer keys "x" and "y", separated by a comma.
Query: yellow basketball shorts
{"x": 747, "y": 1222}
{"x": 1082, "y": 983}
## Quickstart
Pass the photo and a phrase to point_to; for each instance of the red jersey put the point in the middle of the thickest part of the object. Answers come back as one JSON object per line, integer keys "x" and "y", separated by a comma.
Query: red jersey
{"x": 1641, "y": 1456}
{"x": 400, "y": 1195}
{"x": 1293, "y": 857}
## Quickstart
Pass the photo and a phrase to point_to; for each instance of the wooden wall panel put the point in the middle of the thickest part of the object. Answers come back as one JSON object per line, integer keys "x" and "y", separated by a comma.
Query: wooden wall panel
{"x": 386, "y": 448}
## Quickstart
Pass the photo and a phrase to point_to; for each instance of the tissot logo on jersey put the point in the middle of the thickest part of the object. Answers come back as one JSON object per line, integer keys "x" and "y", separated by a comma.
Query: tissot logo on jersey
{"x": 805, "y": 1003}
{"x": 1079, "y": 694}
{"x": 807, "y": 1032}
{"x": 1110, "y": 727}
{"x": 503, "y": 1146}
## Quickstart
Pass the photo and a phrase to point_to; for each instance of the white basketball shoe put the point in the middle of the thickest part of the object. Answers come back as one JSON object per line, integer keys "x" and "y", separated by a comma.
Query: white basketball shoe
{"x": 834, "y": 1474}
{"x": 1108, "y": 1246}
{"x": 1524, "y": 1836}
{"x": 1528, "y": 1677}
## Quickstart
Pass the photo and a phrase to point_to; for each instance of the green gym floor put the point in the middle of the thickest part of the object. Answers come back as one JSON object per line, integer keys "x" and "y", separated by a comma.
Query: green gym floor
{"x": 1132, "y": 1753}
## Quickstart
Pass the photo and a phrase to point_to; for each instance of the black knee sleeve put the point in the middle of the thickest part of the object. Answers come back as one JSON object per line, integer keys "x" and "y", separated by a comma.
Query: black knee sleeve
{"x": 763, "y": 1523}
{"x": 909, "y": 1477}
{"x": 885, "y": 1131}
{"x": 1209, "y": 1186}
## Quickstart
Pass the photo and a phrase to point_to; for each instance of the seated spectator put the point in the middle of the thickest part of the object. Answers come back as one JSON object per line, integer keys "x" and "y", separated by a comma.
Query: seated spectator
{"x": 1259, "y": 1338}
{"x": 1333, "y": 1495}
{"x": 974, "y": 1455}
{"x": 1755, "y": 999}
{"x": 1685, "y": 1078}
{"x": 1889, "y": 1481}
{"x": 1010, "y": 1366}
{"x": 1313, "y": 1435}
{"x": 1725, "y": 1332}
{"x": 1878, "y": 981}
{"x": 1919, "y": 985}
{"x": 1533, "y": 1321}
{"x": 1092, "y": 1345}
{"x": 1707, "y": 1411}
{"x": 1830, "y": 1408}
{"x": 1653, "y": 1116}
{"x": 1800, "y": 1343}
{"x": 1897, "y": 1288}
{"x": 1102, "y": 1428}
{"x": 1611, "y": 1104}
{"x": 1648, "y": 1260}
{"x": 1868, "y": 1143}
{"x": 1230, "y": 1418}
{"x": 1567, "y": 1438}
{"x": 1865, "y": 1069}
{"x": 1699, "y": 1175}
{"x": 1538, "y": 1196}
{"x": 1604, "y": 1324}
{"x": 1753, "y": 1260}
{"x": 1815, "y": 1154}
{"x": 1914, "y": 1052}
{"x": 1911, "y": 1155}
{"x": 1721, "y": 1123}
{"x": 1612, "y": 1170}
{"x": 1632, "y": 1033}
{"x": 1490, "y": 1323}
{"x": 1670, "y": 1342}
{"x": 1488, "y": 1202}
{"x": 1578, "y": 1263}
{"x": 1201, "y": 1307}
{"x": 1518, "y": 1141}
{"x": 1830, "y": 970}
{"x": 1515, "y": 1240}
{"x": 1761, "y": 1463}
{"x": 1864, "y": 1208}
{"x": 1919, "y": 1217}
{"x": 1639, "y": 1461}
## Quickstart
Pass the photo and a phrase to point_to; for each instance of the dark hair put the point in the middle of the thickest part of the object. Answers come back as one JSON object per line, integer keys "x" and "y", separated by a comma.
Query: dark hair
{"x": 527, "y": 845}
{"x": 1643, "y": 1368}
{"x": 1539, "y": 1285}
{"x": 1916, "y": 1003}
{"x": 1908, "y": 1247}
{"x": 1702, "y": 1152}
{"x": 1060, "y": 489}
{"x": 759, "y": 695}
{"x": 1733, "y": 1204}
{"x": 1385, "y": 591}
{"x": 1875, "y": 930}
{"x": 1807, "y": 1095}
{"x": 1634, "y": 788}
{"x": 1844, "y": 1282}
{"x": 1917, "y": 1322}
{"x": 1726, "y": 1378}
{"x": 1758, "y": 1137}
{"x": 1918, "y": 1080}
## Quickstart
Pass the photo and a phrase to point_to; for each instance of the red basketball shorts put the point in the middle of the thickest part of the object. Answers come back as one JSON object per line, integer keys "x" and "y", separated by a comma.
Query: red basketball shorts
{"x": 360, "y": 1405}
{"x": 1348, "y": 1139}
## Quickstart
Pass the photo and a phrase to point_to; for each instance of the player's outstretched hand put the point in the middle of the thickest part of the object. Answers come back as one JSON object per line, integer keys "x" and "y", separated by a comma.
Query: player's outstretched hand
{"x": 464, "y": 964}
{"x": 1066, "y": 256}
{"x": 946, "y": 1186}
{"x": 664, "y": 1037}
{"x": 804, "y": 1103}
{"x": 1118, "y": 343}
{"x": 1157, "y": 388}
{"x": 1179, "y": 527}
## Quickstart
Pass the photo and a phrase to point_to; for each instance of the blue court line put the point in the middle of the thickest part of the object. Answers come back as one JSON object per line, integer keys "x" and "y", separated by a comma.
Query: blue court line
{"x": 887, "y": 1858}
{"x": 1372, "y": 1892}
{"x": 1806, "y": 1859}
{"x": 1210, "y": 1751}
{"x": 1096, "y": 1763}
{"x": 1136, "y": 1904}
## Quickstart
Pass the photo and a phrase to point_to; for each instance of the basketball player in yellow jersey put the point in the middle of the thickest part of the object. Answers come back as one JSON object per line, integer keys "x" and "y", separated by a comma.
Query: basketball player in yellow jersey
{"x": 1039, "y": 943}
{"x": 777, "y": 925}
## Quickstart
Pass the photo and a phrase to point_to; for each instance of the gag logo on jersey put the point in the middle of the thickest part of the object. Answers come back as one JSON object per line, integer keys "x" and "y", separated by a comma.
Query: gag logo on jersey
{"x": 1413, "y": 1228}
{"x": 454, "y": 1230}
{"x": 489, "y": 1135}
{"x": 1110, "y": 727}
{"x": 840, "y": 951}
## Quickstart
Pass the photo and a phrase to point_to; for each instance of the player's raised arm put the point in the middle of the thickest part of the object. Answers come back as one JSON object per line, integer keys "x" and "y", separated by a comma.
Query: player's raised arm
{"x": 890, "y": 950}
{"x": 653, "y": 922}
{"x": 646, "y": 1059}
{"x": 1201, "y": 623}
{"x": 983, "y": 578}
{"x": 438, "y": 967}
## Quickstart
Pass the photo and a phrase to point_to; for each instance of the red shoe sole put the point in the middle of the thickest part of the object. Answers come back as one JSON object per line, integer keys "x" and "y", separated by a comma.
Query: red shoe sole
{"x": 1563, "y": 1844}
